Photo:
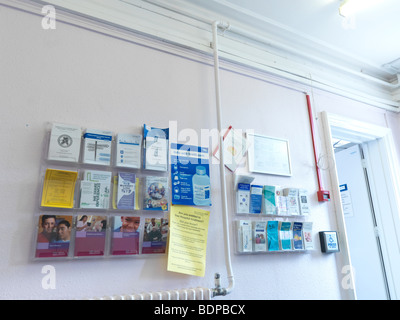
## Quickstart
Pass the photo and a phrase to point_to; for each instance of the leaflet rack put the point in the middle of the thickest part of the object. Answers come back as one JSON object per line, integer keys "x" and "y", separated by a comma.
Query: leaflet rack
{"x": 99, "y": 209}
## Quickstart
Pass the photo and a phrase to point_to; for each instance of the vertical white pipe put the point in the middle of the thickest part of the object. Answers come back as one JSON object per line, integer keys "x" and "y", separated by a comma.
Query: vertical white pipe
{"x": 228, "y": 263}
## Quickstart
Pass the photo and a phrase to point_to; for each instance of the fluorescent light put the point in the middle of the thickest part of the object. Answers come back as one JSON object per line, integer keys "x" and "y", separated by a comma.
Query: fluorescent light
{"x": 350, "y": 7}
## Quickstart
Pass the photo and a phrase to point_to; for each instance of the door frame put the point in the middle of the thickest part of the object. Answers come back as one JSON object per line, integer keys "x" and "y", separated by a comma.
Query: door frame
{"x": 385, "y": 154}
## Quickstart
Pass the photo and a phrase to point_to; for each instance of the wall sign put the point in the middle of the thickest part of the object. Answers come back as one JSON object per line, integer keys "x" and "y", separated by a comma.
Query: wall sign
{"x": 269, "y": 155}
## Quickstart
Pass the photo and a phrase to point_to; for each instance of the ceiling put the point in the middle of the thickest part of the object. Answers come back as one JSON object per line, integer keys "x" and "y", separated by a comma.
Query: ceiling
{"x": 305, "y": 41}
{"x": 368, "y": 40}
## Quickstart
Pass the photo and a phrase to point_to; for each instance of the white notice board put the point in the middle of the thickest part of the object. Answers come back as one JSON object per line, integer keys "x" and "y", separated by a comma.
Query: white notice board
{"x": 269, "y": 155}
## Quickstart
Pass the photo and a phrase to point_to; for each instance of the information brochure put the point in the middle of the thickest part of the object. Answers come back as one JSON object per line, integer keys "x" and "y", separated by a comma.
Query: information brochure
{"x": 155, "y": 146}
{"x": 298, "y": 236}
{"x": 155, "y": 193}
{"x": 95, "y": 189}
{"x": 54, "y": 236}
{"x": 125, "y": 235}
{"x": 307, "y": 233}
{"x": 190, "y": 174}
{"x": 285, "y": 234}
{"x": 128, "y": 150}
{"x": 260, "y": 236}
{"x": 272, "y": 234}
{"x": 90, "y": 236}
{"x": 65, "y": 142}
{"x": 59, "y": 188}
{"x": 188, "y": 240}
{"x": 244, "y": 236}
{"x": 125, "y": 191}
{"x": 97, "y": 146}
{"x": 155, "y": 235}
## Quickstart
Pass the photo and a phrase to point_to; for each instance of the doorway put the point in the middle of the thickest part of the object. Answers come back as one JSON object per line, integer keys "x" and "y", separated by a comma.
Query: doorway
{"x": 377, "y": 161}
{"x": 365, "y": 243}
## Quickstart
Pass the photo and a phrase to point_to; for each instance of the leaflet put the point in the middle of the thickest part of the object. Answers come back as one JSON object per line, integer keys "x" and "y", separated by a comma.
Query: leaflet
{"x": 125, "y": 235}
{"x": 303, "y": 200}
{"x": 245, "y": 238}
{"x": 190, "y": 172}
{"x": 54, "y": 236}
{"x": 155, "y": 193}
{"x": 59, "y": 188}
{"x": 95, "y": 189}
{"x": 90, "y": 235}
{"x": 243, "y": 198}
{"x": 292, "y": 195}
{"x": 272, "y": 234}
{"x": 128, "y": 150}
{"x": 65, "y": 142}
{"x": 97, "y": 146}
{"x": 256, "y": 197}
{"x": 260, "y": 236}
{"x": 95, "y": 195}
{"x": 270, "y": 202}
{"x": 297, "y": 236}
{"x": 126, "y": 191}
{"x": 285, "y": 235}
{"x": 155, "y": 148}
{"x": 307, "y": 235}
{"x": 155, "y": 235}
{"x": 188, "y": 240}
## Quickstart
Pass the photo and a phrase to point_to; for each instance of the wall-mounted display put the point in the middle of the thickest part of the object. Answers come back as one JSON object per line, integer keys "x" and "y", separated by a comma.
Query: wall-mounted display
{"x": 268, "y": 155}
{"x": 258, "y": 236}
{"x": 95, "y": 202}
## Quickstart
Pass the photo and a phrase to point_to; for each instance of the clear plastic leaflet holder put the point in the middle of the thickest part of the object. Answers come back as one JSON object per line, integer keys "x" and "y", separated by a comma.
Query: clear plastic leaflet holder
{"x": 102, "y": 181}
{"x": 269, "y": 231}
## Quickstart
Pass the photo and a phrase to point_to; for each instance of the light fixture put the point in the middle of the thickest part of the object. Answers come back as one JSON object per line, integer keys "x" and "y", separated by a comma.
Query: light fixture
{"x": 350, "y": 7}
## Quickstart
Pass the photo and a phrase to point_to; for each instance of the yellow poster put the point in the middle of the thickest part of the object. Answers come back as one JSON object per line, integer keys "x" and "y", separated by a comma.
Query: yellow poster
{"x": 188, "y": 240}
{"x": 59, "y": 188}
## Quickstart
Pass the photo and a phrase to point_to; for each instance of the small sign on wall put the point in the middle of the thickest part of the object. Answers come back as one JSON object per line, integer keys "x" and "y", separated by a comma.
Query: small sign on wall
{"x": 329, "y": 241}
{"x": 346, "y": 201}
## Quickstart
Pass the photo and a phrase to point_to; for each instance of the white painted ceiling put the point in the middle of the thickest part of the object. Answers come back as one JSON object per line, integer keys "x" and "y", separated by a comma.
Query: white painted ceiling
{"x": 371, "y": 39}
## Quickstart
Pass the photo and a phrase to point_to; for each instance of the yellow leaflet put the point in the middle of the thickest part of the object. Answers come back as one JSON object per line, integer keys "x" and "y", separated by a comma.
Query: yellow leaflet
{"x": 188, "y": 240}
{"x": 59, "y": 188}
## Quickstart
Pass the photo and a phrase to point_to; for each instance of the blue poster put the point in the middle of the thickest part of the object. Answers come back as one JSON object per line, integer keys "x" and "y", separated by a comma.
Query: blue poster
{"x": 190, "y": 175}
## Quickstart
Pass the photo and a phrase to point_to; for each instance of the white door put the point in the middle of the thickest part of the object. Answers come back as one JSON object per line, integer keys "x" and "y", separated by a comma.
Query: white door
{"x": 364, "y": 243}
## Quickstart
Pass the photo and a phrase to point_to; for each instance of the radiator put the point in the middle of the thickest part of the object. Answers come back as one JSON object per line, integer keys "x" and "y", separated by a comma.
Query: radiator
{"x": 182, "y": 294}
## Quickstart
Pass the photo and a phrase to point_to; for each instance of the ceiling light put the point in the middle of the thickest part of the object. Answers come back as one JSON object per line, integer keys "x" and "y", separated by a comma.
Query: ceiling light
{"x": 350, "y": 7}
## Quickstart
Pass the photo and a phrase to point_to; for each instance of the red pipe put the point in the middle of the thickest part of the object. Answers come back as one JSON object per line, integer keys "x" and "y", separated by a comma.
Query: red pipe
{"x": 313, "y": 140}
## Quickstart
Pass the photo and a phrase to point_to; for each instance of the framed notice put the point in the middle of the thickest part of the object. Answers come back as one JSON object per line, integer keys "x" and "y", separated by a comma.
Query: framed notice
{"x": 269, "y": 155}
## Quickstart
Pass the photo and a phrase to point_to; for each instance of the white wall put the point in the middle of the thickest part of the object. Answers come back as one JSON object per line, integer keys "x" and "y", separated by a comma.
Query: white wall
{"x": 76, "y": 76}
